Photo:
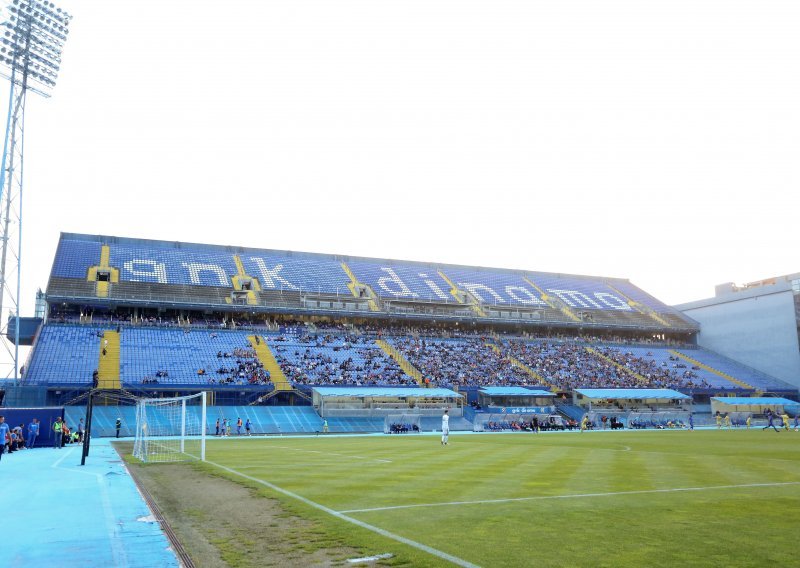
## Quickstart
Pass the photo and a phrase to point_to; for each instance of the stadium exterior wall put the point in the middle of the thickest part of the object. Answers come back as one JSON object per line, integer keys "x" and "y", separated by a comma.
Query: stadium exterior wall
{"x": 755, "y": 327}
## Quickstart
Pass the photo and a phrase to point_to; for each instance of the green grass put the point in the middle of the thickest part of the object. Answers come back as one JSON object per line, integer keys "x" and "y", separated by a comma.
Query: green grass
{"x": 718, "y": 525}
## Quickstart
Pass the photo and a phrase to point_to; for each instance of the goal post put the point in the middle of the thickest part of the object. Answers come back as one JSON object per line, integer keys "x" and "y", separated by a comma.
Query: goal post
{"x": 171, "y": 429}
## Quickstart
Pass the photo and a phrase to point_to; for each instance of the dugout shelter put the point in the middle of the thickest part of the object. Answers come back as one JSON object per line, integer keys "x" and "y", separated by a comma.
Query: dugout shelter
{"x": 753, "y": 406}
{"x": 382, "y": 401}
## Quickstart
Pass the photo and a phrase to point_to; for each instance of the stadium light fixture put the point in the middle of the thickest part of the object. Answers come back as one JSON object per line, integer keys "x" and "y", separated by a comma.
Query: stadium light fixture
{"x": 32, "y": 38}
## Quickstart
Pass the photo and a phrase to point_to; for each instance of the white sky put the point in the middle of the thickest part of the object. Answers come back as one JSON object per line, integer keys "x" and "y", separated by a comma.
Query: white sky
{"x": 655, "y": 141}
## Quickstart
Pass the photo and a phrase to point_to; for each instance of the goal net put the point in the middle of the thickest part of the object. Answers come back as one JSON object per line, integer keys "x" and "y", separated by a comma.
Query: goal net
{"x": 171, "y": 429}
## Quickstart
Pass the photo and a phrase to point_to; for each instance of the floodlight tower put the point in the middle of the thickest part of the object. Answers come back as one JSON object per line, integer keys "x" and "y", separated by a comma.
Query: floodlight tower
{"x": 32, "y": 36}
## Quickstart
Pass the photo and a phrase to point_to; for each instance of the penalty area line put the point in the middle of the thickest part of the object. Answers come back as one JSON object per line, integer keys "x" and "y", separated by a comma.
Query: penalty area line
{"x": 339, "y": 515}
{"x": 570, "y": 496}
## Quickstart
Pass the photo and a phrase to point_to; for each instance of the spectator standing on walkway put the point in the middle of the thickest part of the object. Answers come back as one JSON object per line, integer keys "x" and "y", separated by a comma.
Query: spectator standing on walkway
{"x": 4, "y": 435}
{"x": 33, "y": 432}
{"x": 58, "y": 433}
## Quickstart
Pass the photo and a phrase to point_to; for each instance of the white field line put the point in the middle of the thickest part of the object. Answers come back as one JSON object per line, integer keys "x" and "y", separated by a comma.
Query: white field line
{"x": 329, "y": 454}
{"x": 418, "y": 545}
{"x": 570, "y": 496}
{"x": 117, "y": 550}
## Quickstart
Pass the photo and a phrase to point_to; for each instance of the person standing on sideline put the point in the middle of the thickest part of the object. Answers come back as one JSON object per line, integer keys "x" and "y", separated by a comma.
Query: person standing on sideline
{"x": 216, "y": 428}
{"x": 222, "y": 430}
{"x": 118, "y": 425}
{"x": 747, "y": 422}
{"x": 324, "y": 426}
{"x": 80, "y": 430}
{"x": 239, "y": 426}
{"x": 728, "y": 421}
{"x": 247, "y": 426}
{"x": 445, "y": 427}
{"x": 33, "y": 432}
{"x": 691, "y": 421}
{"x": 3, "y": 435}
{"x": 58, "y": 433}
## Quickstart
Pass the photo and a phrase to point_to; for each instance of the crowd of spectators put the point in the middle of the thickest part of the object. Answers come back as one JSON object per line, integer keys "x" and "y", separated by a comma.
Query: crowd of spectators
{"x": 571, "y": 365}
{"x": 336, "y": 359}
{"x": 674, "y": 374}
{"x": 245, "y": 368}
{"x": 461, "y": 362}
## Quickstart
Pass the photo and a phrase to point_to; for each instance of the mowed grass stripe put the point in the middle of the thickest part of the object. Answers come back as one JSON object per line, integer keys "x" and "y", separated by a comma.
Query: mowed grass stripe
{"x": 661, "y": 529}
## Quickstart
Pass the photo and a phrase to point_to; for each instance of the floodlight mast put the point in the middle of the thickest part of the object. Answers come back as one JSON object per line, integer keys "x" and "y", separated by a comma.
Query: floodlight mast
{"x": 32, "y": 37}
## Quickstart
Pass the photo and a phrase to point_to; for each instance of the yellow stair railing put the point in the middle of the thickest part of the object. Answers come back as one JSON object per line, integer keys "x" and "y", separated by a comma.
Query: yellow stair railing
{"x": 553, "y": 301}
{"x": 101, "y": 287}
{"x": 725, "y": 376}
{"x": 459, "y": 295}
{"x": 404, "y": 363}
{"x": 264, "y": 354}
{"x": 108, "y": 365}
{"x": 641, "y": 308}
{"x": 355, "y": 286}
{"x": 239, "y": 278}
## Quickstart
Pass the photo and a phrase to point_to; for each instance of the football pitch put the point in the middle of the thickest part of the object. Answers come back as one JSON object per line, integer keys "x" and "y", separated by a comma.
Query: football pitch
{"x": 657, "y": 498}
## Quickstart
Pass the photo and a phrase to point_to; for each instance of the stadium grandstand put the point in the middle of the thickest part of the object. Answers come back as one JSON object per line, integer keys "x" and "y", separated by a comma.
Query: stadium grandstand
{"x": 261, "y": 329}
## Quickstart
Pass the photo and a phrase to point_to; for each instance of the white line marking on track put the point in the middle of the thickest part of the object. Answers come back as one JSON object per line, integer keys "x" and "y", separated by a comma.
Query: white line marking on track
{"x": 418, "y": 545}
{"x": 117, "y": 550}
{"x": 570, "y": 496}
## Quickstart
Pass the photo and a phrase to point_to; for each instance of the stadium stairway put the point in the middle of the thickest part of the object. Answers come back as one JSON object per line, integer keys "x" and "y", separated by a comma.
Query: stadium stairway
{"x": 553, "y": 302}
{"x": 519, "y": 364}
{"x": 112, "y": 274}
{"x": 460, "y": 296}
{"x": 725, "y": 376}
{"x": 357, "y": 287}
{"x": 637, "y": 376}
{"x": 404, "y": 363}
{"x": 267, "y": 359}
{"x": 641, "y": 308}
{"x": 241, "y": 277}
{"x": 108, "y": 365}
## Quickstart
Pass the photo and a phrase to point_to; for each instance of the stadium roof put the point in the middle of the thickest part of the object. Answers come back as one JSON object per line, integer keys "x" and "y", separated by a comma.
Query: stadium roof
{"x": 514, "y": 391}
{"x": 755, "y": 400}
{"x": 668, "y": 394}
{"x": 387, "y": 392}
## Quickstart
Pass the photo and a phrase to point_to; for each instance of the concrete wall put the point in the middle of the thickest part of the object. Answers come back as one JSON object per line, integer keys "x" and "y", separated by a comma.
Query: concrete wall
{"x": 757, "y": 329}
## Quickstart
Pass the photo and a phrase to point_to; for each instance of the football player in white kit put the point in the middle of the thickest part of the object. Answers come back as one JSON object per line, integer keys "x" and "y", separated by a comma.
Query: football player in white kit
{"x": 445, "y": 427}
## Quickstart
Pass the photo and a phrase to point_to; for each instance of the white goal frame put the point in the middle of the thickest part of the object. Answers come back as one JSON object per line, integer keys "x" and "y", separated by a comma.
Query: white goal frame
{"x": 168, "y": 441}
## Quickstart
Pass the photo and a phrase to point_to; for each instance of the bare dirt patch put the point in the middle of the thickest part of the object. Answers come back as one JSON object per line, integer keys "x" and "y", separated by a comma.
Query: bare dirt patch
{"x": 221, "y": 523}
